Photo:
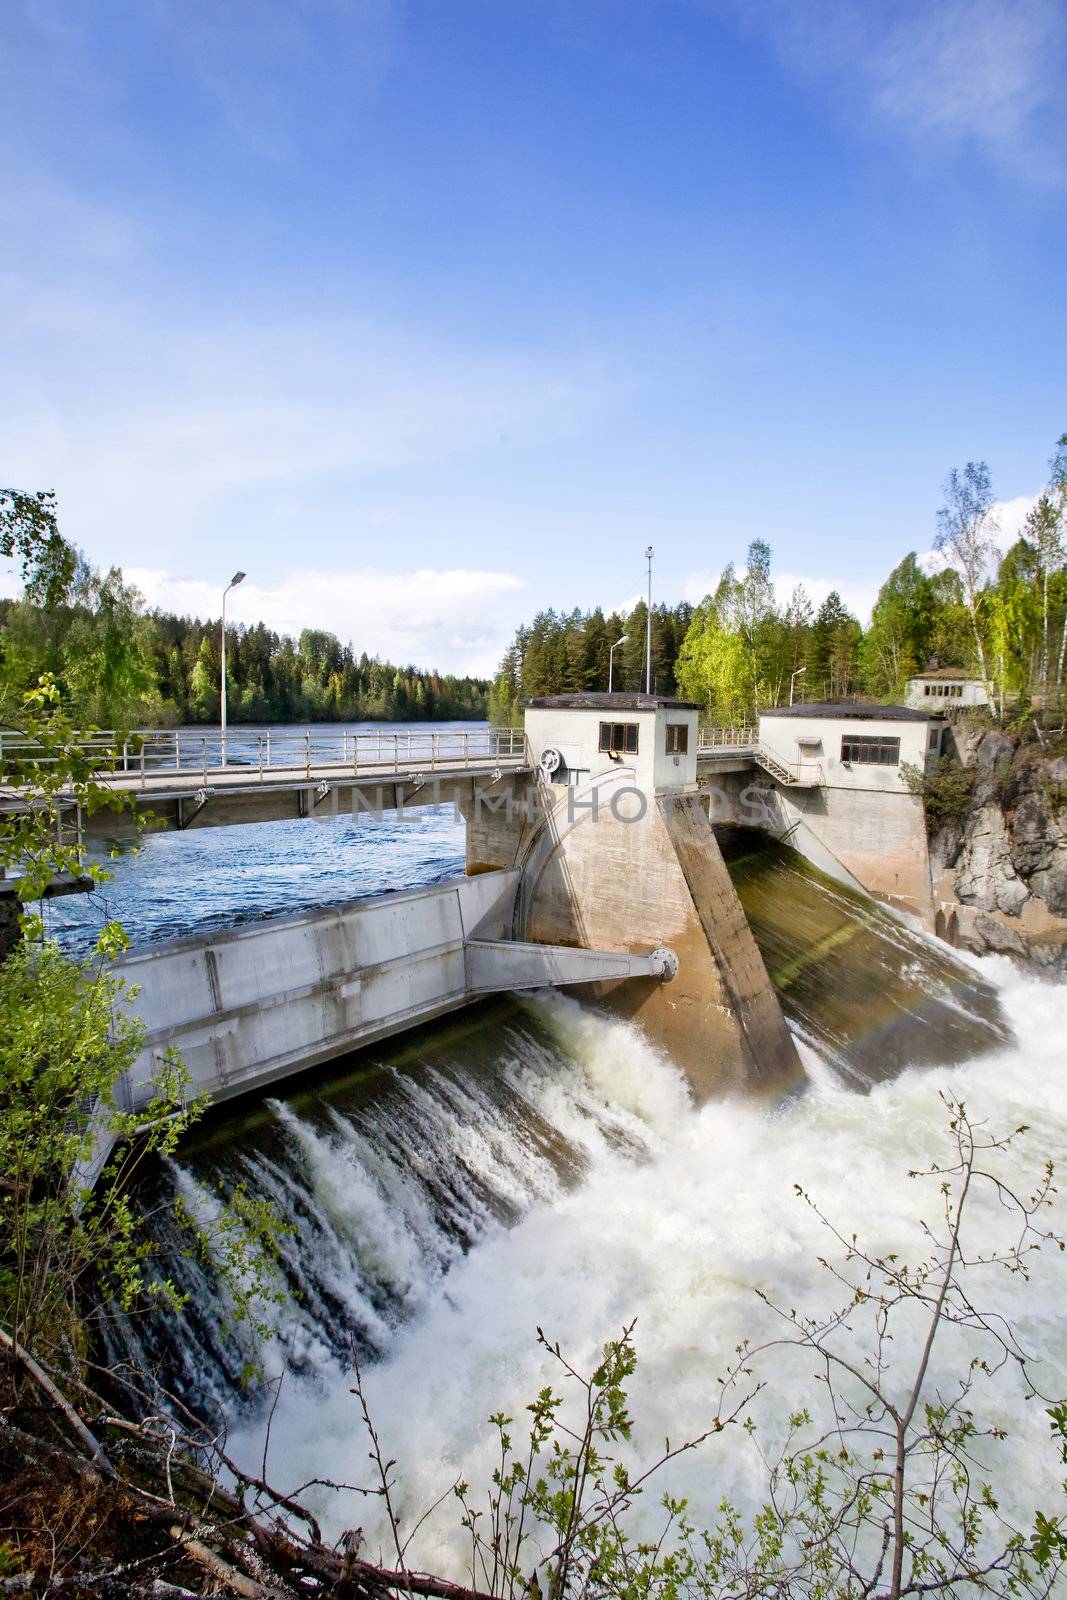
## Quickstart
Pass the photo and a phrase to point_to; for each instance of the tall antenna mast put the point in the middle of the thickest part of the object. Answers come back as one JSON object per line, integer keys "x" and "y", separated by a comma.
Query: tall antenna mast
{"x": 649, "y": 553}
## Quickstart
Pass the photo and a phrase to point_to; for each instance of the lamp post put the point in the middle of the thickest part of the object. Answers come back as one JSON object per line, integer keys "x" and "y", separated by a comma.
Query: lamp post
{"x": 611, "y": 656}
{"x": 237, "y": 578}
{"x": 649, "y": 553}
{"x": 793, "y": 680}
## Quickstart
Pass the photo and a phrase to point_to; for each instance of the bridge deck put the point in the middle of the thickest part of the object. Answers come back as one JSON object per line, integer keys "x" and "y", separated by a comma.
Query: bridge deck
{"x": 257, "y": 775}
{"x": 233, "y": 779}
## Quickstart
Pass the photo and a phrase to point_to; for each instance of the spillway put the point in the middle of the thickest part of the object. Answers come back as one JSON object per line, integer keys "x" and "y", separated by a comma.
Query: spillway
{"x": 395, "y": 1164}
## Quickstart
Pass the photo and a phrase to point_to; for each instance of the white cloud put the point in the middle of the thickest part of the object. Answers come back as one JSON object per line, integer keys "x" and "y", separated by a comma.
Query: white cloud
{"x": 982, "y": 70}
{"x": 156, "y": 427}
{"x": 1011, "y": 517}
{"x": 1007, "y": 523}
{"x": 971, "y": 67}
{"x": 458, "y": 620}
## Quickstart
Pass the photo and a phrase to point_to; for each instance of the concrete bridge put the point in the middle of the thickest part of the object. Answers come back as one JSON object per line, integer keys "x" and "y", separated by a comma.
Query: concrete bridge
{"x": 193, "y": 780}
{"x": 187, "y": 779}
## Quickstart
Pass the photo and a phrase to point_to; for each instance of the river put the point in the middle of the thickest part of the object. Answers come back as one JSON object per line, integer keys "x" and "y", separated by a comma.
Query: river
{"x": 538, "y": 1163}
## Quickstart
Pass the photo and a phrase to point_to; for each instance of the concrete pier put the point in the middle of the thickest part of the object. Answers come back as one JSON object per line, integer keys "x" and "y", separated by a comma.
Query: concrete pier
{"x": 770, "y": 1055}
{"x": 601, "y": 868}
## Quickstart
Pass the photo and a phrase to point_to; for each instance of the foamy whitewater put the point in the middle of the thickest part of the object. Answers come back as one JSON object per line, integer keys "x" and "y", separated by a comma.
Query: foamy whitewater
{"x": 677, "y": 1215}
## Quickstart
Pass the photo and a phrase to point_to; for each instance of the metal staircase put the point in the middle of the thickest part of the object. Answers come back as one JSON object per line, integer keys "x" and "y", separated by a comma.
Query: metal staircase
{"x": 801, "y": 775}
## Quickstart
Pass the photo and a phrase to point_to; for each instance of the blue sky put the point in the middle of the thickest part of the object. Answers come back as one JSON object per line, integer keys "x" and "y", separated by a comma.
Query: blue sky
{"x": 431, "y": 314}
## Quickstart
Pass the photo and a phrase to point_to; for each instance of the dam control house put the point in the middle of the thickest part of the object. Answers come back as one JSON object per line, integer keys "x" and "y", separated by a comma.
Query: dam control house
{"x": 573, "y": 738}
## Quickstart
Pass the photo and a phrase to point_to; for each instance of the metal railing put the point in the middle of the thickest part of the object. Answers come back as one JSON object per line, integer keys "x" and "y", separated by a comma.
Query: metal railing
{"x": 743, "y": 735}
{"x": 150, "y": 753}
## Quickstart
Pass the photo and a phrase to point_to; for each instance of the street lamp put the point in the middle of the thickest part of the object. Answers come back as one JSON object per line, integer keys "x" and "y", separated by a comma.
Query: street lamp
{"x": 611, "y": 656}
{"x": 237, "y": 578}
{"x": 793, "y": 680}
{"x": 649, "y": 553}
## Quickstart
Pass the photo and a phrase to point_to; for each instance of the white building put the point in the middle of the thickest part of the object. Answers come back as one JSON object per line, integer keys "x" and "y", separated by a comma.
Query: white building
{"x": 846, "y": 746}
{"x": 945, "y": 688}
{"x": 574, "y": 738}
{"x": 841, "y": 797}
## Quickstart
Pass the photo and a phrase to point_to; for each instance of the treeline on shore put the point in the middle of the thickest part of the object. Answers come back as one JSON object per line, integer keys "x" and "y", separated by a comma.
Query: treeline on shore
{"x": 1002, "y": 618}
{"x": 999, "y": 616}
{"x": 119, "y": 665}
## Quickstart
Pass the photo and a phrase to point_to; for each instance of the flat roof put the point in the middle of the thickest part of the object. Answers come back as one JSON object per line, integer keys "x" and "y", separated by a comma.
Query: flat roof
{"x": 851, "y": 709}
{"x": 957, "y": 674}
{"x": 593, "y": 701}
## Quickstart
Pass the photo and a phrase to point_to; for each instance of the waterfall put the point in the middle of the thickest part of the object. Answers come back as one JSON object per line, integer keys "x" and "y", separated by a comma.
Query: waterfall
{"x": 537, "y": 1162}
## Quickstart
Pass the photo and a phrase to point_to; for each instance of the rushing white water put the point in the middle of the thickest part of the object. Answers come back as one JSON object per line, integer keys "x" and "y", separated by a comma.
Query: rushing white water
{"x": 679, "y": 1215}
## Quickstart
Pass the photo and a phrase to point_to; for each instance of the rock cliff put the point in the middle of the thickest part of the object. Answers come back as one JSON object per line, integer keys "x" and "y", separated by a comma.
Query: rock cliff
{"x": 1005, "y": 859}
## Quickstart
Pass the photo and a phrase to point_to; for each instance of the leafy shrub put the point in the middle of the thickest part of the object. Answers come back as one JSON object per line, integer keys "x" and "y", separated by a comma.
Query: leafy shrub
{"x": 946, "y": 790}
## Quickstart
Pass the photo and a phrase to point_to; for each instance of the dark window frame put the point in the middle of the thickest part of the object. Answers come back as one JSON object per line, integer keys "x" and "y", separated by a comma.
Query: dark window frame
{"x": 677, "y": 739}
{"x": 870, "y": 750}
{"x": 618, "y": 738}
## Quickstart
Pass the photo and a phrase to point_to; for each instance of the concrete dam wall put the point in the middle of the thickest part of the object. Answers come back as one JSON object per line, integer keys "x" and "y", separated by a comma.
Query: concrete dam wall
{"x": 255, "y": 1004}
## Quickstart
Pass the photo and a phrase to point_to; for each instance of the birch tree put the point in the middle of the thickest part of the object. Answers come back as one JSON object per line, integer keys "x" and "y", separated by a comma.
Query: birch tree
{"x": 1044, "y": 529}
{"x": 966, "y": 538}
{"x": 1057, "y": 496}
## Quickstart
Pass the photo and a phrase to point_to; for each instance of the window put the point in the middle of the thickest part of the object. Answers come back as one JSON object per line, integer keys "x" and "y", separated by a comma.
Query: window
{"x": 867, "y": 751}
{"x": 677, "y": 738}
{"x": 616, "y": 737}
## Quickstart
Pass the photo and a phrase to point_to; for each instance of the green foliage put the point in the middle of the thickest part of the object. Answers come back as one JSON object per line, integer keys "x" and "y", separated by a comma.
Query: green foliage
{"x": 898, "y": 642}
{"x": 1005, "y": 622}
{"x": 568, "y": 1490}
{"x": 560, "y": 652}
{"x": 711, "y": 666}
{"x": 240, "y": 1242}
{"x": 65, "y": 1042}
{"x": 946, "y": 789}
{"x": 832, "y": 648}
{"x": 29, "y": 533}
{"x": 75, "y": 1250}
{"x": 72, "y": 1249}
{"x": 1049, "y": 1540}
{"x": 117, "y": 665}
{"x": 46, "y": 756}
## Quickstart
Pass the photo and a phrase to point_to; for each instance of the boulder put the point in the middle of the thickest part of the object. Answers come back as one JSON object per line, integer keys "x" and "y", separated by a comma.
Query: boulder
{"x": 997, "y": 936}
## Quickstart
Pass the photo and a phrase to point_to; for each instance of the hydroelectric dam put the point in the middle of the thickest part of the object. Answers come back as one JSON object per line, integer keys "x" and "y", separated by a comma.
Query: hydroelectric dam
{"x": 591, "y": 859}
